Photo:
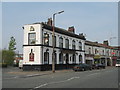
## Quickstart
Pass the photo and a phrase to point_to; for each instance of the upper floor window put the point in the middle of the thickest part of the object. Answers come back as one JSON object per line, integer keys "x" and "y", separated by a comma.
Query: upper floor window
{"x": 46, "y": 39}
{"x": 89, "y": 50}
{"x": 31, "y": 38}
{"x": 73, "y": 44}
{"x": 67, "y": 43}
{"x": 80, "y": 46}
{"x": 61, "y": 42}
{"x": 107, "y": 52}
{"x": 103, "y": 52}
{"x": 96, "y": 51}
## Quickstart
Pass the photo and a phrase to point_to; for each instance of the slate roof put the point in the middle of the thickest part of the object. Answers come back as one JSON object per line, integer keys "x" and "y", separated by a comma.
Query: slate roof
{"x": 63, "y": 31}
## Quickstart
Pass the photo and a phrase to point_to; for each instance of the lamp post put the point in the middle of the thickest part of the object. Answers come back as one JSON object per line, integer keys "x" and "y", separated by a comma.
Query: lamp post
{"x": 53, "y": 37}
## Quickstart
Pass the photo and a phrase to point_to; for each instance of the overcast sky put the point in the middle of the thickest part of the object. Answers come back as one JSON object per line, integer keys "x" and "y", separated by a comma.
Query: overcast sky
{"x": 97, "y": 20}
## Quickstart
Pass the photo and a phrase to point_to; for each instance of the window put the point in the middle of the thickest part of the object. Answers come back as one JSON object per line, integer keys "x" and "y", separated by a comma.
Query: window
{"x": 80, "y": 46}
{"x": 107, "y": 52}
{"x": 61, "y": 58}
{"x": 46, "y": 58}
{"x": 46, "y": 39}
{"x": 80, "y": 58}
{"x": 96, "y": 51}
{"x": 73, "y": 44}
{"x": 74, "y": 59}
{"x": 67, "y": 43}
{"x": 61, "y": 42}
{"x": 89, "y": 50}
{"x": 103, "y": 52}
{"x": 31, "y": 38}
{"x": 31, "y": 55}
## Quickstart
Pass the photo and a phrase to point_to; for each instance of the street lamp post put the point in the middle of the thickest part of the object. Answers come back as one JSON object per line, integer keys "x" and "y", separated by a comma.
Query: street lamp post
{"x": 53, "y": 37}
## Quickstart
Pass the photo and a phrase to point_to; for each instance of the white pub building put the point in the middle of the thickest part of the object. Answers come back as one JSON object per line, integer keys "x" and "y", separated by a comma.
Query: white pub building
{"x": 38, "y": 47}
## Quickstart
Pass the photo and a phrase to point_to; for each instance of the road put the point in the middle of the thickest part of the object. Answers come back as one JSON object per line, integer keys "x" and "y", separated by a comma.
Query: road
{"x": 103, "y": 78}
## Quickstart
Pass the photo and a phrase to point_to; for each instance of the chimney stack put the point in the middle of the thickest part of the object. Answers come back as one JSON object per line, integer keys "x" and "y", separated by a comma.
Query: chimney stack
{"x": 71, "y": 29}
{"x": 106, "y": 42}
{"x": 49, "y": 22}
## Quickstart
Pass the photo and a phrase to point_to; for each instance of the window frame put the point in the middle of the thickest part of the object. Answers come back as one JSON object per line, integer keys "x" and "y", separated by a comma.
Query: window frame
{"x": 29, "y": 39}
{"x": 46, "y": 38}
{"x": 73, "y": 44}
{"x": 60, "y": 42}
{"x": 46, "y": 57}
{"x": 67, "y": 43}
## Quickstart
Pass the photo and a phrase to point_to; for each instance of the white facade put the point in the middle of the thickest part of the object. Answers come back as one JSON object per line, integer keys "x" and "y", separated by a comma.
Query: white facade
{"x": 39, "y": 48}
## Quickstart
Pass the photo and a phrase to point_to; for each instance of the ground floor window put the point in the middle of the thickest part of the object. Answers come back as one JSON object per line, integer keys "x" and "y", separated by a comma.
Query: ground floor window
{"x": 80, "y": 58}
{"x": 96, "y": 61}
{"x": 102, "y": 60}
{"x": 61, "y": 58}
{"x": 74, "y": 59}
{"x": 89, "y": 62}
{"x": 46, "y": 58}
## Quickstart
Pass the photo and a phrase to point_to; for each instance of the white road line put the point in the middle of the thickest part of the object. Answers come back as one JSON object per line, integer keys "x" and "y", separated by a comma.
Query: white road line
{"x": 32, "y": 75}
{"x": 56, "y": 82}
{"x": 41, "y": 86}
{"x": 93, "y": 74}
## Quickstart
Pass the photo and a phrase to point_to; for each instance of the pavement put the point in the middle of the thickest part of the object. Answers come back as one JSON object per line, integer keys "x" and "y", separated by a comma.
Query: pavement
{"x": 15, "y": 72}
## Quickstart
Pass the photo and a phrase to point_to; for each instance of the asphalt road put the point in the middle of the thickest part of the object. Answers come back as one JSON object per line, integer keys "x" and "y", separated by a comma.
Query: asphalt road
{"x": 104, "y": 78}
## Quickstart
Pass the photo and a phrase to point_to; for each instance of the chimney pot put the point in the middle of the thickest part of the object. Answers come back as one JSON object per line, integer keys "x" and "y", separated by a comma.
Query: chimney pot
{"x": 71, "y": 29}
{"x": 49, "y": 22}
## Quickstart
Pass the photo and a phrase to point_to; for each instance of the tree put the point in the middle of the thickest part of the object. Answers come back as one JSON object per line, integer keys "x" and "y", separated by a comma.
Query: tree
{"x": 8, "y": 56}
{"x": 12, "y": 44}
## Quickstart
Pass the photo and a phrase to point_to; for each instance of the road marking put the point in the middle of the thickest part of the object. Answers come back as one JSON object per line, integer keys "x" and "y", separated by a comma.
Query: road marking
{"x": 32, "y": 75}
{"x": 41, "y": 86}
{"x": 56, "y": 82}
{"x": 93, "y": 74}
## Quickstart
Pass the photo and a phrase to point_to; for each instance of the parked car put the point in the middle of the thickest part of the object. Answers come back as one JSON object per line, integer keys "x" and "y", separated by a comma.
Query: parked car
{"x": 101, "y": 66}
{"x": 82, "y": 67}
{"x": 20, "y": 64}
{"x": 98, "y": 66}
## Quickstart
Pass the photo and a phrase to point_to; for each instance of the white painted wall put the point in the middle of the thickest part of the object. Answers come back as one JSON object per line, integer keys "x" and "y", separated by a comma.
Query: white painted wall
{"x": 37, "y": 50}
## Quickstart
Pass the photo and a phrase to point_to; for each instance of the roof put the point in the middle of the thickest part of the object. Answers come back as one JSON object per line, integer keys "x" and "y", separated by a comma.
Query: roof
{"x": 63, "y": 31}
{"x": 97, "y": 44}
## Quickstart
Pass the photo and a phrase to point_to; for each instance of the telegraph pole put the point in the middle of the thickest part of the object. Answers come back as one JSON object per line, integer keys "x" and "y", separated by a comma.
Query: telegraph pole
{"x": 53, "y": 41}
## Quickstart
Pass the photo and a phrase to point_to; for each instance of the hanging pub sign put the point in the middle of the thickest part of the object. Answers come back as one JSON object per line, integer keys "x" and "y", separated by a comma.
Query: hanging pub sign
{"x": 31, "y": 56}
